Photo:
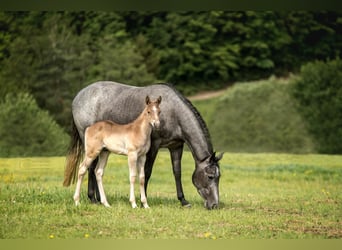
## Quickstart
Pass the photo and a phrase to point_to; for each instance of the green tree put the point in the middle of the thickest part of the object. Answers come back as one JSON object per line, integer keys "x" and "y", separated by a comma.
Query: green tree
{"x": 50, "y": 62}
{"x": 26, "y": 130}
{"x": 319, "y": 93}
{"x": 223, "y": 46}
{"x": 314, "y": 36}
{"x": 216, "y": 45}
{"x": 53, "y": 55}
{"x": 122, "y": 62}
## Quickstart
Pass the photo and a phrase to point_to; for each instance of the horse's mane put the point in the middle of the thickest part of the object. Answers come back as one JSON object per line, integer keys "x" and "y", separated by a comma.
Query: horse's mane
{"x": 198, "y": 116}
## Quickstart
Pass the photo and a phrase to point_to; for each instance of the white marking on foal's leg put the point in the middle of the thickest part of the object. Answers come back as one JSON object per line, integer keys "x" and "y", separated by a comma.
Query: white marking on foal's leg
{"x": 81, "y": 172}
{"x": 132, "y": 164}
{"x": 131, "y": 191}
{"x": 103, "y": 157}
{"x": 142, "y": 181}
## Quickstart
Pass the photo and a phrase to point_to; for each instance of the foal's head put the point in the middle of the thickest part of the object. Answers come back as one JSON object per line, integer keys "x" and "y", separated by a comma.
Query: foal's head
{"x": 153, "y": 111}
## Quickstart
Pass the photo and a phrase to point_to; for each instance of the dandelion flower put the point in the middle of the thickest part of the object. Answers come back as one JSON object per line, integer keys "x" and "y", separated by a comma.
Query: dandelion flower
{"x": 207, "y": 234}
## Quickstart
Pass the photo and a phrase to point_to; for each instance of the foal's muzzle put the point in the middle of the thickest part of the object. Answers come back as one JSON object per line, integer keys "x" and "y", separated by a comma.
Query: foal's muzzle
{"x": 156, "y": 124}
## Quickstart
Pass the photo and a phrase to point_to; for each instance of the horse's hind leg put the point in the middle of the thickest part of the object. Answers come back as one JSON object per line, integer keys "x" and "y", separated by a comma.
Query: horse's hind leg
{"x": 81, "y": 172}
{"x": 103, "y": 157}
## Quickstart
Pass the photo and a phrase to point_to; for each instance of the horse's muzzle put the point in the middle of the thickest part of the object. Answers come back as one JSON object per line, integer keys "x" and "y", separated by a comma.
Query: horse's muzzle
{"x": 211, "y": 206}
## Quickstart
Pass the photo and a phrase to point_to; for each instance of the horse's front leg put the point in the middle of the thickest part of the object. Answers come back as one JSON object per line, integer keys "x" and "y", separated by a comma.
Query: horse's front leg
{"x": 93, "y": 189}
{"x": 81, "y": 172}
{"x": 132, "y": 165}
{"x": 141, "y": 166}
{"x": 150, "y": 158}
{"x": 176, "y": 158}
{"x": 103, "y": 157}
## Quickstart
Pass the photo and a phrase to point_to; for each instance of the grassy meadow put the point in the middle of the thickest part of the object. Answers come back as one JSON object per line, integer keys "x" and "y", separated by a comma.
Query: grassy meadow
{"x": 263, "y": 196}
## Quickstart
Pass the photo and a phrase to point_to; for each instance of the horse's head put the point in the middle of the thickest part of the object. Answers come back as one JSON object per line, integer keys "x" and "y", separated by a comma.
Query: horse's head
{"x": 153, "y": 111}
{"x": 206, "y": 179}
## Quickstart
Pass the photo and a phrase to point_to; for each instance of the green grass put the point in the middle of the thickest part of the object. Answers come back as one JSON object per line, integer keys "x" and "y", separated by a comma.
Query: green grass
{"x": 262, "y": 196}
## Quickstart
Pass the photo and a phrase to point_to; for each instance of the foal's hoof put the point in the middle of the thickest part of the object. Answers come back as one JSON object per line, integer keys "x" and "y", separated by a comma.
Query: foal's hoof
{"x": 106, "y": 205}
{"x": 77, "y": 203}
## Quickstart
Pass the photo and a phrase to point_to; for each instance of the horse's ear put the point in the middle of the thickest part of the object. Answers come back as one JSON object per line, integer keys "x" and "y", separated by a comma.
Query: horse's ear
{"x": 219, "y": 157}
{"x": 147, "y": 100}
{"x": 159, "y": 99}
{"x": 213, "y": 157}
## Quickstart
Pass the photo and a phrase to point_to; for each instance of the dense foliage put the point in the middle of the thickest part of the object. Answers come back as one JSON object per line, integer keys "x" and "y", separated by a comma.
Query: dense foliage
{"x": 52, "y": 55}
{"x": 26, "y": 130}
{"x": 257, "y": 117}
{"x": 319, "y": 92}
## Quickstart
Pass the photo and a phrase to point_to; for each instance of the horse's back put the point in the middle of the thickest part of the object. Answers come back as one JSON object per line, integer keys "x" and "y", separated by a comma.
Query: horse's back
{"x": 94, "y": 92}
{"x": 122, "y": 104}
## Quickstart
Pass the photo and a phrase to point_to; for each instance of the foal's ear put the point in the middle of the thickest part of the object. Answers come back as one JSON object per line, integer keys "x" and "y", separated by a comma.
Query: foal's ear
{"x": 159, "y": 99}
{"x": 147, "y": 100}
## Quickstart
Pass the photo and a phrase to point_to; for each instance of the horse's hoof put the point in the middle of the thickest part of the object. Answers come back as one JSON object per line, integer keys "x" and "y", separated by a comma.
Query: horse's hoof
{"x": 94, "y": 201}
{"x": 187, "y": 205}
{"x": 77, "y": 203}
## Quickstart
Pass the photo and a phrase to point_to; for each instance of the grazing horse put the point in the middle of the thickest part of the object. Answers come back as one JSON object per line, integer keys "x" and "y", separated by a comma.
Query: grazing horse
{"x": 180, "y": 123}
{"x": 133, "y": 140}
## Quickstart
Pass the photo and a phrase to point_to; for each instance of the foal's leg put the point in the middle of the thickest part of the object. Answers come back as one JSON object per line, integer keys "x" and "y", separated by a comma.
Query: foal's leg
{"x": 99, "y": 171}
{"x": 141, "y": 166}
{"x": 81, "y": 172}
{"x": 132, "y": 164}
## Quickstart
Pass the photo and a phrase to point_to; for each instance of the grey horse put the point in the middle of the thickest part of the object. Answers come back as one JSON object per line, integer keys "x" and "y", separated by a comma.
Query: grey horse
{"x": 180, "y": 123}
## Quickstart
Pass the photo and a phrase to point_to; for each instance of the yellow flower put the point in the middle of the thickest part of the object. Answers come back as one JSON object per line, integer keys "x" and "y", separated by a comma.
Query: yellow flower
{"x": 86, "y": 236}
{"x": 207, "y": 234}
{"x": 51, "y": 236}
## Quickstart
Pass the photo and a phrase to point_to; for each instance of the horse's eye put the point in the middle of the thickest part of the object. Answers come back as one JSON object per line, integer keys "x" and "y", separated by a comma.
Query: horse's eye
{"x": 211, "y": 177}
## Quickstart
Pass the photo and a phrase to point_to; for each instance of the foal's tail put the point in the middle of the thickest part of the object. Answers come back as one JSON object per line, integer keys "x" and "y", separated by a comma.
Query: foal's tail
{"x": 75, "y": 154}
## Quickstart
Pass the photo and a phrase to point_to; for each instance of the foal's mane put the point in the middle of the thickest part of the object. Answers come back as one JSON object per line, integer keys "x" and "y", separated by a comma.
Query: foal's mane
{"x": 198, "y": 116}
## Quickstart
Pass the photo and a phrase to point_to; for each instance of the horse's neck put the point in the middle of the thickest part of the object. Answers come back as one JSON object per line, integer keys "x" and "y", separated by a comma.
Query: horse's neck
{"x": 196, "y": 135}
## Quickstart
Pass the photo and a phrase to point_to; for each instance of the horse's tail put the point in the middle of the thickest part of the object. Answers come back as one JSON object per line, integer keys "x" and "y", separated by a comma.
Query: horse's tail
{"x": 75, "y": 154}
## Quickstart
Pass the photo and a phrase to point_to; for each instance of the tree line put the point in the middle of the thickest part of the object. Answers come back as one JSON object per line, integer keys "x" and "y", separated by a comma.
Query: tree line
{"x": 52, "y": 55}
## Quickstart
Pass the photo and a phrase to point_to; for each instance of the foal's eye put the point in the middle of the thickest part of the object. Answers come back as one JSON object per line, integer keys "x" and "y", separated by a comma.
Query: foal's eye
{"x": 211, "y": 177}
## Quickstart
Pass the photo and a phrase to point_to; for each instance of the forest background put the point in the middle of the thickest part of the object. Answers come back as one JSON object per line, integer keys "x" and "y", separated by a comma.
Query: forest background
{"x": 47, "y": 57}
